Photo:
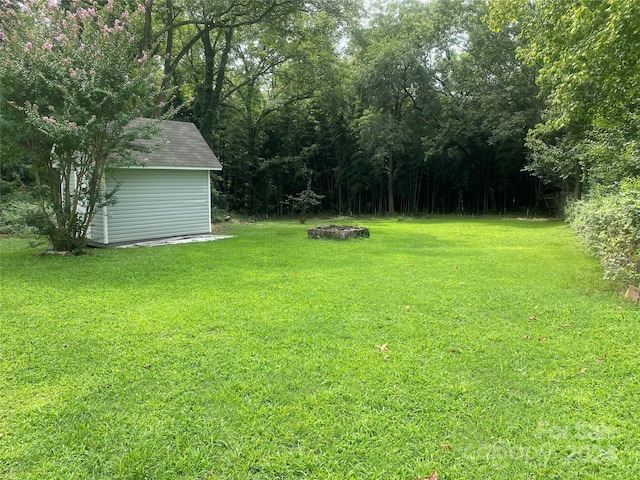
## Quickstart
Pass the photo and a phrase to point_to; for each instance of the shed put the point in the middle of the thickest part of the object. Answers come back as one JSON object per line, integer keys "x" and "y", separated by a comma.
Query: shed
{"x": 168, "y": 195}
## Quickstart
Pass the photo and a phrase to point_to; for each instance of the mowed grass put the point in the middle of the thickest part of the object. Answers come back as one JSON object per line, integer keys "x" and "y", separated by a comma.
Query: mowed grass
{"x": 481, "y": 349}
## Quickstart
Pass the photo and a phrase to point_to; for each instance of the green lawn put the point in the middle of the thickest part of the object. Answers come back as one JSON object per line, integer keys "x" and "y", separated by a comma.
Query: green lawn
{"x": 479, "y": 348}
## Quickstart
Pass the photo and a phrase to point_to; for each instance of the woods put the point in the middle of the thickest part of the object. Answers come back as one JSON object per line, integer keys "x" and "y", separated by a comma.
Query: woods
{"x": 408, "y": 107}
{"x": 421, "y": 109}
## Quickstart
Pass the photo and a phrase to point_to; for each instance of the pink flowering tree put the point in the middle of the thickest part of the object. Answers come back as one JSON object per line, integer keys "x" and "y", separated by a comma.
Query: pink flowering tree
{"x": 71, "y": 82}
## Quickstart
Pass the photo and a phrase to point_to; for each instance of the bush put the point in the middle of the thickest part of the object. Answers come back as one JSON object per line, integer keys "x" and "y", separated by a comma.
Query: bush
{"x": 608, "y": 222}
{"x": 17, "y": 214}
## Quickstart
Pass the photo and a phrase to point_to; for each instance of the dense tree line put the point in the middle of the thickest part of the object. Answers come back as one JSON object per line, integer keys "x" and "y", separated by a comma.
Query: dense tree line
{"x": 410, "y": 107}
{"x": 420, "y": 108}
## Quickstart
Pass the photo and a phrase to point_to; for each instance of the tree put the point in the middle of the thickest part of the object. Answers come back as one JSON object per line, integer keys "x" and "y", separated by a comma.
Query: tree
{"x": 72, "y": 81}
{"x": 268, "y": 132}
{"x": 487, "y": 104}
{"x": 304, "y": 200}
{"x": 445, "y": 106}
{"x": 587, "y": 56}
{"x": 395, "y": 82}
{"x": 202, "y": 38}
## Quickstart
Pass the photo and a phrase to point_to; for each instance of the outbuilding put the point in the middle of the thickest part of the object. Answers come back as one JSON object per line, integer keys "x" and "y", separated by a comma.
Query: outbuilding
{"x": 167, "y": 195}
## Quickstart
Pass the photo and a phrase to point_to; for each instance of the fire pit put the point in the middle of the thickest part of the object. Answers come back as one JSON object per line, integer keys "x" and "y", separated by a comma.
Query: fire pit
{"x": 339, "y": 232}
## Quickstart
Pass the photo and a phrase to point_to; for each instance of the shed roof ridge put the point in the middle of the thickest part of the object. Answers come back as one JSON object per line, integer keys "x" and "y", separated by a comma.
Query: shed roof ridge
{"x": 184, "y": 148}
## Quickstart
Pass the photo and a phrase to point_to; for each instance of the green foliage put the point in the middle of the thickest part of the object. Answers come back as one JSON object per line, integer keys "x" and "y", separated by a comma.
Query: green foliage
{"x": 444, "y": 99}
{"x": 558, "y": 161}
{"x": 270, "y": 356}
{"x": 608, "y": 222}
{"x": 72, "y": 80}
{"x": 587, "y": 56}
{"x": 487, "y": 99}
{"x": 587, "y": 53}
{"x": 305, "y": 200}
{"x": 19, "y": 215}
{"x": 394, "y": 84}
{"x": 419, "y": 105}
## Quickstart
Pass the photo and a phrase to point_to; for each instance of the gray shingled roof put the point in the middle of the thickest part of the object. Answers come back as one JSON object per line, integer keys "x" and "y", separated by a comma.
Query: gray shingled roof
{"x": 181, "y": 146}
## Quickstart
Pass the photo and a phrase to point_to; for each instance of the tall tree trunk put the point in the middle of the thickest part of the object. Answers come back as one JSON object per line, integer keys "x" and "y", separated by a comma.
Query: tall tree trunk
{"x": 146, "y": 32}
{"x": 390, "y": 205}
{"x": 212, "y": 94}
{"x": 222, "y": 68}
{"x": 168, "y": 65}
{"x": 416, "y": 207}
{"x": 485, "y": 198}
{"x": 206, "y": 113}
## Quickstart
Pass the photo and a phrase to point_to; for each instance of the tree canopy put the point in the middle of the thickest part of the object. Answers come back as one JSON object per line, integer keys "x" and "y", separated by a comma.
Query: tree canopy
{"x": 587, "y": 57}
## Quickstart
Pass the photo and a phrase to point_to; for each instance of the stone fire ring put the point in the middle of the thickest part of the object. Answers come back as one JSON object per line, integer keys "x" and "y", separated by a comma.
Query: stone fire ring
{"x": 338, "y": 232}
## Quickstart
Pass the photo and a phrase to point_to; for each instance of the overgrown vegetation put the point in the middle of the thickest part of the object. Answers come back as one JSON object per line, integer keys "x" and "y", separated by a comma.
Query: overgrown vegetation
{"x": 18, "y": 215}
{"x": 475, "y": 348}
{"x": 609, "y": 224}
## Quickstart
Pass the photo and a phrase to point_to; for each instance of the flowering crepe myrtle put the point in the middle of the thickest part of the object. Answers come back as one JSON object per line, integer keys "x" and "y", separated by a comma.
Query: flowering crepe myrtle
{"x": 72, "y": 80}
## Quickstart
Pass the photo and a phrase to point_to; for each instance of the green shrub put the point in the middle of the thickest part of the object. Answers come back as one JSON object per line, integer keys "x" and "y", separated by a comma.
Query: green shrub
{"x": 17, "y": 214}
{"x": 609, "y": 225}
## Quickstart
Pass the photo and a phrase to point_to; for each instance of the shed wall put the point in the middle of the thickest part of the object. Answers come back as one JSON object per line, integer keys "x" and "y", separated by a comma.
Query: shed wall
{"x": 154, "y": 204}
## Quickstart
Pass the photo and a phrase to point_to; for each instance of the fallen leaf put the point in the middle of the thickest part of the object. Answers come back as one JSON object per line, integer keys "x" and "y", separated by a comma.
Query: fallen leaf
{"x": 583, "y": 370}
{"x": 148, "y": 365}
{"x": 433, "y": 476}
{"x": 619, "y": 308}
{"x": 528, "y": 337}
{"x": 602, "y": 358}
{"x": 532, "y": 317}
{"x": 453, "y": 350}
{"x": 383, "y": 348}
{"x": 386, "y": 357}
{"x": 565, "y": 325}
{"x": 446, "y": 446}
{"x": 542, "y": 339}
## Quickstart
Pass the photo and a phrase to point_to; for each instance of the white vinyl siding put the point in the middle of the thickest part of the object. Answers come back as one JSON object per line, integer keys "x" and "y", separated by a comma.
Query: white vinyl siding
{"x": 154, "y": 204}
{"x": 97, "y": 231}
